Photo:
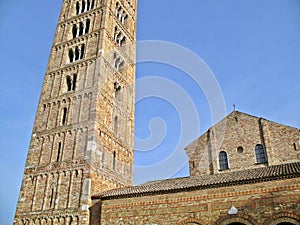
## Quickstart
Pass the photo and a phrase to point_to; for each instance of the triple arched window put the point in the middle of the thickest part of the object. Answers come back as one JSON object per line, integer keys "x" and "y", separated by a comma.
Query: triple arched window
{"x": 76, "y": 53}
{"x": 81, "y": 28}
{"x": 84, "y": 6}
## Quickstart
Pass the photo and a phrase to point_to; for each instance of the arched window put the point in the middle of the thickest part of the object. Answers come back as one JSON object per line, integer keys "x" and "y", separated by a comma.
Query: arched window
{"x": 71, "y": 55}
{"x": 87, "y": 26}
{"x": 81, "y": 51}
{"x": 75, "y": 31}
{"x": 117, "y": 88}
{"x": 116, "y": 123}
{"x": 83, "y": 6}
{"x": 114, "y": 160}
{"x": 81, "y": 29}
{"x": 64, "y": 116}
{"x": 77, "y": 54}
{"x": 51, "y": 198}
{"x": 77, "y": 8}
{"x": 223, "y": 161}
{"x": 58, "y": 152}
{"x": 71, "y": 82}
{"x": 74, "y": 82}
{"x": 260, "y": 154}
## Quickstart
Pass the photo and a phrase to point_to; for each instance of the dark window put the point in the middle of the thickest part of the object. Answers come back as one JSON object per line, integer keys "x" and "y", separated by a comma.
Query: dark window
{"x": 81, "y": 51}
{"x": 116, "y": 121}
{"x": 295, "y": 146}
{"x": 77, "y": 8}
{"x": 74, "y": 31}
{"x": 52, "y": 197}
{"x": 77, "y": 53}
{"x": 71, "y": 55}
{"x": 74, "y": 82}
{"x": 64, "y": 116}
{"x": 223, "y": 161}
{"x": 114, "y": 160}
{"x": 117, "y": 88}
{"x": 260, "y": 154}
{"x": 87, "y": 26}
{"x": 58, "y": 152}
{"x": 83, "y": 5}
{"x": 69, "y": 83}
{"x": 81, "y": 30}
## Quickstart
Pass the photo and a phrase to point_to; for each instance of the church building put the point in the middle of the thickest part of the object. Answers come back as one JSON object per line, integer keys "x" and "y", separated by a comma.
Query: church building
{"x": 244, "y": 170}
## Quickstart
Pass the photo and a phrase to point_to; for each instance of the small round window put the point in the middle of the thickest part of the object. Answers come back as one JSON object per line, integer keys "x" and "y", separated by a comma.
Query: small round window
{"x": 240, "y": 149}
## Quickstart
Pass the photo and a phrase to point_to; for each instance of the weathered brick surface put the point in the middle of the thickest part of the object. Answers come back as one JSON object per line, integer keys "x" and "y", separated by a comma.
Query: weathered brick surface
{"x": 259, "y": 203}
{"x": 241, "y": 130}
{"x": 75, "y": 149}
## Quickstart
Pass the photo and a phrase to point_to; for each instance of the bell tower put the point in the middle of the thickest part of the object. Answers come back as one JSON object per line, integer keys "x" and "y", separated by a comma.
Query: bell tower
{"x": 82, "y": 139}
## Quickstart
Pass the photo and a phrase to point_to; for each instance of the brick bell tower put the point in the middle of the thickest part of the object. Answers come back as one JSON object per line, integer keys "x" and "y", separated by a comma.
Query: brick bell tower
{"x": 82, "y": 139}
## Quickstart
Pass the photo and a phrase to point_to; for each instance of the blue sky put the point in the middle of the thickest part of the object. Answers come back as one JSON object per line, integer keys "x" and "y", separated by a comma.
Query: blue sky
{"x": 251, "y": 46}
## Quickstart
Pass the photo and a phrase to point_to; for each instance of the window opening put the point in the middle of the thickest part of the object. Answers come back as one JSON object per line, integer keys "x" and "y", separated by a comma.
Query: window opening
{"x": 116, "y": 121}
{"x": 51, "y": 197}
{"x": 81, "y": 30}
{"x": 114, "y": 160}
{"x": 75, "y": 31}
{"x": 74, "y": 82}
{"x": 69, "y": 83}
{"x": 77, "y": 54}
{"x": 64, "y": 116}
{"x": 117, "y": 88}
{"x": 81, "y": 51}
{"x": 83, "y": 7}
{"x": 71, "y": 55}
{"x": 223, "y": 161}
{"x": 77, "y": 8}
{"x": 58, "y": 152}
{"x": 260, "y": 154}
{"x": 87, "y": 26}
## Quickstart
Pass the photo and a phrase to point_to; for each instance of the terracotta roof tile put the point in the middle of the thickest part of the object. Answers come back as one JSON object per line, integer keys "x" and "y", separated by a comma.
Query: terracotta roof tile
{"x": 283, "y": 171}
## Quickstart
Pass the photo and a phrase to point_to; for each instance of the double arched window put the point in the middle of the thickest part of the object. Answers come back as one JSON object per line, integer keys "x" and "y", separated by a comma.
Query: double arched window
{"x": 119, "y": 38}
{"x": 71, "y": 82}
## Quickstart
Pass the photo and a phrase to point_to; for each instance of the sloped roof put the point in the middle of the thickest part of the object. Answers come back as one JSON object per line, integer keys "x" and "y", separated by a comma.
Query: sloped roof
{"x": 277, "y": 172}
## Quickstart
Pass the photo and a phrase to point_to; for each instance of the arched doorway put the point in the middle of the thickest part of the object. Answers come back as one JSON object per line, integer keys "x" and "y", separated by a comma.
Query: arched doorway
{"x": 236, "y": 224}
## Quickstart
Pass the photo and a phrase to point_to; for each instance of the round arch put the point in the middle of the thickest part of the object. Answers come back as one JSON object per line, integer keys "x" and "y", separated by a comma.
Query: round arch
{"x": 284, "y": 218}
{"x": 284, "y": 221}
{"x": 191, "y": 221}
{"x": 234, "y": 220}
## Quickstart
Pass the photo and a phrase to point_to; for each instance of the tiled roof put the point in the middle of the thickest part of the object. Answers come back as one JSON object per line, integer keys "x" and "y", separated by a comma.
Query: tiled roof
{"x": 277, "y": 172}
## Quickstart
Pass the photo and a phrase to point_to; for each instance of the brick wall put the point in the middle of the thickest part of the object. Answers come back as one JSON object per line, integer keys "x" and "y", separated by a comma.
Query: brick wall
{"x": 239, "y": 130}
{"x": 259, "y": 203}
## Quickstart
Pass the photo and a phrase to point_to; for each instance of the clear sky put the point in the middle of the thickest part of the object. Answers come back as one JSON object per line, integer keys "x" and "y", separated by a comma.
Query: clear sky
{"x": 251, "y": 46}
